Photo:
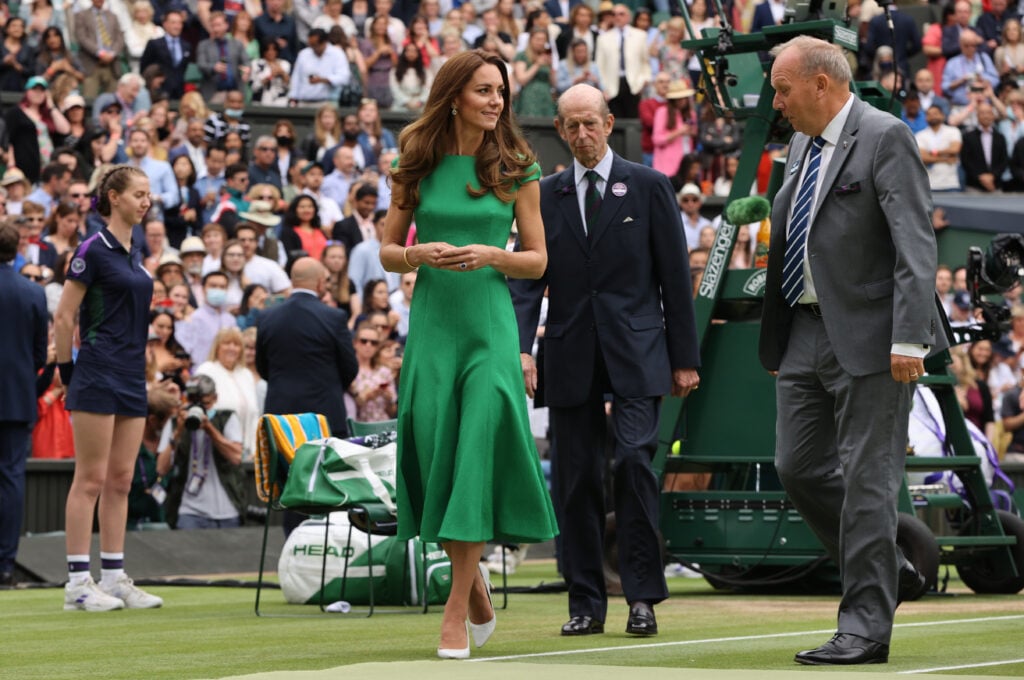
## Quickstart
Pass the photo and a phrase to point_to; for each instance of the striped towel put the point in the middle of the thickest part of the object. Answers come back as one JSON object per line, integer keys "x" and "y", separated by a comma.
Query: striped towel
{"x": 283, "y": 434}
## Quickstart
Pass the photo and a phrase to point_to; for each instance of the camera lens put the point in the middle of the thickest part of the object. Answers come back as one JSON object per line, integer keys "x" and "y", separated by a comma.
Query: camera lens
{"x": 193, "y": 418}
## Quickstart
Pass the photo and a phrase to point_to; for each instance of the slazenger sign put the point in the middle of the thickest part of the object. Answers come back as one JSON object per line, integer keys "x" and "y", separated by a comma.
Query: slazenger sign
{"x": 717, "y": 260}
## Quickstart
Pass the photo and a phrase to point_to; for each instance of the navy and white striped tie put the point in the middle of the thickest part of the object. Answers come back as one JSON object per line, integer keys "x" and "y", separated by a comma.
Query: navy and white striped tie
{"x": 796, "y": 242}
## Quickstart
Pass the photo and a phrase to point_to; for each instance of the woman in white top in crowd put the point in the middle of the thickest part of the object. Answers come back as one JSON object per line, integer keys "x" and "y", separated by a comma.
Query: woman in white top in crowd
{"x": 236, "y": 387}
{"x": 410, "y": 81}
{"x": 139, "y": 31}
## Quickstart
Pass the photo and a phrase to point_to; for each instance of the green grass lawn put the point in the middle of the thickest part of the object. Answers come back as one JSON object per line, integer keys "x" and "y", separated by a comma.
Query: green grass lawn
{"x": 213, "y": 632}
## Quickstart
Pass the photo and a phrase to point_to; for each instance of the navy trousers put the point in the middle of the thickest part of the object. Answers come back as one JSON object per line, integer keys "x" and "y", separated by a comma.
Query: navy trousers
{"x": 14, "y": 444}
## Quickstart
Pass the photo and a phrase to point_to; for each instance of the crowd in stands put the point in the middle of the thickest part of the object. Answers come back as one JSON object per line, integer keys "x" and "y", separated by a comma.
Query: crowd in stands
{"x": 164, "y": 85}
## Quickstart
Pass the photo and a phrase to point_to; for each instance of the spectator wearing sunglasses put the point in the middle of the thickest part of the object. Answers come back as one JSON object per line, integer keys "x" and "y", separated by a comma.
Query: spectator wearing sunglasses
{"x": 264, "y": 169}
{"x": 374, "y": 386}
{"x": 690, "y": 201}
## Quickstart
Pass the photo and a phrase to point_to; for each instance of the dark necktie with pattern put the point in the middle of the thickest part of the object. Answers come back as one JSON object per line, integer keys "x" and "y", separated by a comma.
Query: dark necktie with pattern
{"x": 796, "y": 243}
{"x": 592, "y": 201}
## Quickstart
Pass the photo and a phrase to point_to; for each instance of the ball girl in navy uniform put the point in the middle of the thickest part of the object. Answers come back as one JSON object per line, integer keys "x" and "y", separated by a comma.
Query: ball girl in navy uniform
{"x": 106, "y": 394}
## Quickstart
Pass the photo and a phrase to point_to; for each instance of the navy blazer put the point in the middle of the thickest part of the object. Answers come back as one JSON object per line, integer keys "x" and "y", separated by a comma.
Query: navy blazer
{"x": 628, "y": 285}
{"x": 23, "y": 338}
{"x": 972, "y": 158}
{"x": 555, "y": 10}
{"x": 157, "y": 52}
{"x": 762, "y": 17}
{"x": 304, "y": 350}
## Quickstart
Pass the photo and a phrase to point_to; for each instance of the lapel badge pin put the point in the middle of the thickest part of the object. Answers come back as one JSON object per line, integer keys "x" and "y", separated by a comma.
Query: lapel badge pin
{"x": 619, "y": 189}
{"x": 793, "y": 168}
{"x": 845, "y": 144}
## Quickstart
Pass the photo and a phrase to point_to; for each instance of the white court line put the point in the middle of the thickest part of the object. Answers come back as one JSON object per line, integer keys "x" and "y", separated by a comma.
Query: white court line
{"x": 957, "y": 668}
{"x": 741, "y": 638}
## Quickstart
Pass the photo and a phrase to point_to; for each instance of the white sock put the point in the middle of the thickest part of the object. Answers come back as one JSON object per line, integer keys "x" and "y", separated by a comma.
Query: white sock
{"x": 78, "y": 569}
{"x": 112, "y": 567}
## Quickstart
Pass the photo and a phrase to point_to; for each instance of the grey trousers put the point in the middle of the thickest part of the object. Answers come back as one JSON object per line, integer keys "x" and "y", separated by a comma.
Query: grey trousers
{"x": 840, "y": 450}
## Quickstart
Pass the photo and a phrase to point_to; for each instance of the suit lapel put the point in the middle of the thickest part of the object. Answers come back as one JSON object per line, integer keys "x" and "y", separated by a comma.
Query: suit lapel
{"x": 847, "y": 140}
{"x": 568, "y": 203}
{"x": 610, "y": 202}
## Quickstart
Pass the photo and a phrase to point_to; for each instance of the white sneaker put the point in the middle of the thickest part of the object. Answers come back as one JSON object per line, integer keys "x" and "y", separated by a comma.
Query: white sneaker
{"x": 676, "y": 570}
{"x": 512, "y": 559}
{"x": 134, "y": 598}
{"x": 87, "y": 596}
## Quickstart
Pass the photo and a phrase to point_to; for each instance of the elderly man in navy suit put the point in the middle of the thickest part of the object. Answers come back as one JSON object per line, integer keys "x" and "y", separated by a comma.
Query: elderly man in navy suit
{"x": 620, "y": 322}
{"x": 22, "y": 353}
{"x": 849, "y": 315}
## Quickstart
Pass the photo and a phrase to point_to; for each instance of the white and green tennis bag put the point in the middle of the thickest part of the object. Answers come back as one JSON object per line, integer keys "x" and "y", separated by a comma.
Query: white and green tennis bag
{"x": 397, "y": 567}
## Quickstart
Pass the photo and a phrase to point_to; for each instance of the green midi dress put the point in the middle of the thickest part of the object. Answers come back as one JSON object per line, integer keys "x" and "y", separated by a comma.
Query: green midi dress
{"x": 468, "y": 468}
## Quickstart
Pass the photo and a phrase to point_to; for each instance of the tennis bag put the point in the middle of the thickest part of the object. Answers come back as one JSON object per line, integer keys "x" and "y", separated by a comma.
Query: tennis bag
{"x": 397, "y": 567}
{"x": 332, "y": 473}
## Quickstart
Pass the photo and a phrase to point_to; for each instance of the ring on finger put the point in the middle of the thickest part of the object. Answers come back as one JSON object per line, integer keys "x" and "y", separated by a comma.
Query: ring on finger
{"x": 462, "y": 265}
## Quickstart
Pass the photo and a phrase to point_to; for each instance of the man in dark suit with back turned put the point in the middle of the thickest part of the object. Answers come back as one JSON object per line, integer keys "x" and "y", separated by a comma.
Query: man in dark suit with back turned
{"x": 620, "y": 322}
{"x": 23, "y": 338}
{"x": 304, "y": 350}
{"x": 849, "y": 314}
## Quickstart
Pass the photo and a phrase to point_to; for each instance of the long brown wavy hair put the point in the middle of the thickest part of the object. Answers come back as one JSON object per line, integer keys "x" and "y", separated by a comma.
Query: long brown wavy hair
{"x": 502, "y": 161}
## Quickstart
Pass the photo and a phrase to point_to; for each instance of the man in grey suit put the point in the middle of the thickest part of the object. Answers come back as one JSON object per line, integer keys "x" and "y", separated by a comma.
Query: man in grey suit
{"x": 222, "y": 60}
{"x": 849, "y": 315}
{"x": 100, "y": 44}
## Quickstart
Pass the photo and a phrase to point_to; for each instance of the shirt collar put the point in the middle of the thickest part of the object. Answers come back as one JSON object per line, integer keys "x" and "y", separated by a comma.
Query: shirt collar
{"x": 834, "y": 129}
{"x": 603, "y": 167}
{"x": 305, "y": 291}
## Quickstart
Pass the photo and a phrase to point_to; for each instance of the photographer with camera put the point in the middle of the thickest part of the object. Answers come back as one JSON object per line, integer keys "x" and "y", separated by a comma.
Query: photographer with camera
{"x": 205, "y": 485}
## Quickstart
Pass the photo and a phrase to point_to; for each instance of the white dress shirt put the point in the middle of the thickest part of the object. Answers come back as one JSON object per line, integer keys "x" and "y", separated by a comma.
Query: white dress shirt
{"x": 603, "y": 169}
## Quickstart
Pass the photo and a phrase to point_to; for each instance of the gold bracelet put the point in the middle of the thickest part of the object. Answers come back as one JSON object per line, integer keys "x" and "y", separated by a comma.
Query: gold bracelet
{"x": 405, "y": 257}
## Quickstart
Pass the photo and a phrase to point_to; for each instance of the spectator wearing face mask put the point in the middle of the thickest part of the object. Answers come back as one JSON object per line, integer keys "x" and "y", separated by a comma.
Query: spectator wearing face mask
{"x": 196, "y": 334}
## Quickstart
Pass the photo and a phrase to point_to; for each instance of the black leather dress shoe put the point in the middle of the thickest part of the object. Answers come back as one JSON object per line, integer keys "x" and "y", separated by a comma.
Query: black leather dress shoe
{"x": 583, "y": 625}
{"x": 912, "y": 585}
{"x": 845, "y": 649}
{"x": 641, "y": 620}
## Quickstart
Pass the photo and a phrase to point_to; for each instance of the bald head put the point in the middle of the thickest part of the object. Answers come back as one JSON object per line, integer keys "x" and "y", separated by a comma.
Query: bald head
{"x": 585, "y": 97}
{"x": 308, "y": 274}
{"x": 584, "y": 123}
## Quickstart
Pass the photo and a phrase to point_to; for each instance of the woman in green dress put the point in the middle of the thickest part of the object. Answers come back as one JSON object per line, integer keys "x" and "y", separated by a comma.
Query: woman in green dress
{"x": 468, "y": 470}
{"x": 534, "y": 72}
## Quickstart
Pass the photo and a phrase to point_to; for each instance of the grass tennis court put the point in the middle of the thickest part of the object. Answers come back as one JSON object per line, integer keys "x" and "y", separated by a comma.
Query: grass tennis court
{"x": 205, "y": 632}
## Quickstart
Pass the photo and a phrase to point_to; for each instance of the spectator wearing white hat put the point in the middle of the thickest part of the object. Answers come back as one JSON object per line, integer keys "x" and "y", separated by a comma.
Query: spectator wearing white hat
{"x": 690, "y": 202}
{"x": 262, "y": 202}
{"x": 192, "y": 252}
{"x": 16, "y": 185}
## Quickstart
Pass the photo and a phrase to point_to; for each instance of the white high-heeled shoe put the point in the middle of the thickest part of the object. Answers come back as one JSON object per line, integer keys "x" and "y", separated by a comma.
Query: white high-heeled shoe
{"x": 482, "y": 631}
{"x": 444, "y": 653}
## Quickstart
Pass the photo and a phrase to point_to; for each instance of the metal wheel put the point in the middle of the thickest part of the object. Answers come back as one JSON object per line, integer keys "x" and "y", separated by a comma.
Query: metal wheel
{"x": 982, "y": 574}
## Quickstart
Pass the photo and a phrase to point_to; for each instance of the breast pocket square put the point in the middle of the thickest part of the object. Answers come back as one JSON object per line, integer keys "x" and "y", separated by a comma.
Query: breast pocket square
{"x": 628, "y": 219}
{"x": 846, "y": 189}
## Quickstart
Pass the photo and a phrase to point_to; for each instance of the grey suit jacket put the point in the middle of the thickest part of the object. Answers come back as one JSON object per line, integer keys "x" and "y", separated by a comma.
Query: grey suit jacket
{"x": 207, "y": 56}
{"x": 871, "y": 247}
{"x": 87, "y": 38}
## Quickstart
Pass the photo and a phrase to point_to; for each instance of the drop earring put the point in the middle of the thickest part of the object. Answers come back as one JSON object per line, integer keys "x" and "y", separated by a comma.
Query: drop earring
{"x": 454, "y": 110}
